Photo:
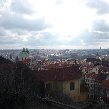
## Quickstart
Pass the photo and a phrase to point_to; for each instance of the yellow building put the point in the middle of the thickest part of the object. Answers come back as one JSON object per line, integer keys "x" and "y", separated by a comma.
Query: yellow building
{"x": 66, "y": 81}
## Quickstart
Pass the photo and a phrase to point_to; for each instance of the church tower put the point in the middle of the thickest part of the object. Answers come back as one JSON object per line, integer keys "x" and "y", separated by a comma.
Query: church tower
{"x": 24, "y": 54}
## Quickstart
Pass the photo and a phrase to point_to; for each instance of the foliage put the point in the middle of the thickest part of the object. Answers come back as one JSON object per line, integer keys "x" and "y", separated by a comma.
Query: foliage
{"x": 18, "y": 85}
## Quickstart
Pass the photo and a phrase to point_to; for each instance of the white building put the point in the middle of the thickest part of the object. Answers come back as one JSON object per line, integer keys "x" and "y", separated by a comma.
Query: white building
{"x": 93, "y": 85}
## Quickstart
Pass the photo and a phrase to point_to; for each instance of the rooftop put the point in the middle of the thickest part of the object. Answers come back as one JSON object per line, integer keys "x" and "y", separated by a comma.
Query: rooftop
{"x": 60, "y": 74}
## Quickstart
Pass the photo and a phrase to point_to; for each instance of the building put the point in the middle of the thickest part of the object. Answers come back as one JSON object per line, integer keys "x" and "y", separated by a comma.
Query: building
{"x": 24, "y": 54}
{"x": 105, "y": 90}
{"x": 92, "y": 83}
{"x": 63, "y": 81}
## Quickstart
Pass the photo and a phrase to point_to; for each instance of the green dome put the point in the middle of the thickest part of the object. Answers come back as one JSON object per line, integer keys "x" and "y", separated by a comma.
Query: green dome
{"x": 24, "y": 54}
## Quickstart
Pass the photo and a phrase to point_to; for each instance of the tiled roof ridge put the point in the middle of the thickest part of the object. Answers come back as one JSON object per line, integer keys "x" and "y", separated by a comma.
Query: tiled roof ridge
{"x": 58, "y": 74}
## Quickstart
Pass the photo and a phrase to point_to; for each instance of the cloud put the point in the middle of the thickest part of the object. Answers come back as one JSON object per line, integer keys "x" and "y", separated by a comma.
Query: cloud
{"x": 3, "y": 32}
{"x": 2, "y": 2}
{"x": 42, "y": 39}
{"x": 27, "y": 39}
{"x": 9, "y": 40}
{"x": 15, "y": 28}
{"x": 58, "y": 2}
{"x": 21, "y": 7}
{"x": 101, "y": 25}
{"x": 94, "y": 38}
{"x": 101, "y": 6}
{"x": 97, "y": 36}
{"x": 15, "y": 21}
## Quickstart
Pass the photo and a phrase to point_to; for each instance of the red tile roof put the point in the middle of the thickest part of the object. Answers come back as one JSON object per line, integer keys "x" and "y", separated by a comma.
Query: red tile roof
{"x": 27, "y": 61}
{"x": 55, "y": 65}
{"x": 87, "y": 66}
{"x": 91, "y": 75}
{"x": 60, "y": 74}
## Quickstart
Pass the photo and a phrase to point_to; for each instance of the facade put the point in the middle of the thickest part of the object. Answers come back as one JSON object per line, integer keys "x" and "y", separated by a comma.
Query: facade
{"x": 69, "y": 88}
{"x": 92, "y": 83}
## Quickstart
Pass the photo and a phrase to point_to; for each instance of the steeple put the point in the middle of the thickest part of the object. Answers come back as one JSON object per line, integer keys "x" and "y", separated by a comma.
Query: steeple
{"x": 23, "y": 50}
{"x": 97, "y": 56}
{"x": 26, "y": 50}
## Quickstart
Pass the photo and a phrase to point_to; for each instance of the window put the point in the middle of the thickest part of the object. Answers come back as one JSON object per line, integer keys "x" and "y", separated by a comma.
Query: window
{"x": 48, "y": 86}
{"x": 72, "y": 86}
{"x": 87, "y": 80}
{"x": 91, "y": 96}
{"x": 91, "y": 90}
{"x": 92, "y": 85}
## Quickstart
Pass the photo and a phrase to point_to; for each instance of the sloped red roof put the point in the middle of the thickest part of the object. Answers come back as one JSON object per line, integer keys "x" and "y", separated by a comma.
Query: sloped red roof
{"x": 27, "y": 61}
{"x": 60, "y": 74}
{"x": 91, "y": 75}
{"x": 105, "y": 84}
{"x": 6, "y": 66}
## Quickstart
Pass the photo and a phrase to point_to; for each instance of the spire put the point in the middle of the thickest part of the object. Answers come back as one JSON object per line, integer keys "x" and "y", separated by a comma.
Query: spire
{"x": 23, "y": 50}
{"x": 27, "y": 50}
{"x": 97, "y": 54}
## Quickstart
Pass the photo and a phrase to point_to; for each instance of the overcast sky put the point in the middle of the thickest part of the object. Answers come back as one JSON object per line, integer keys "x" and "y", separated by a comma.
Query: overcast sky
{"x": 54, "y": 24}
